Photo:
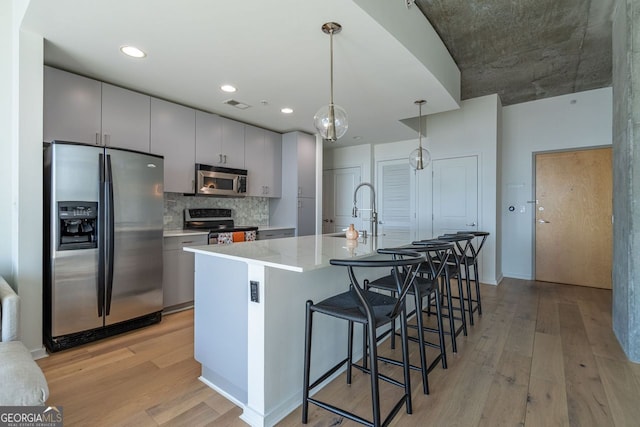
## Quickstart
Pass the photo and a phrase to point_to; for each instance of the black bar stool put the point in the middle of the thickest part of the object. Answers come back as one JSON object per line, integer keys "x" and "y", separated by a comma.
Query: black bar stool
{"x": 470, "y": 262}
{"x": 372, "y": 310}
{"x": 425, "y": 285}
{"x": 453, "y": 270}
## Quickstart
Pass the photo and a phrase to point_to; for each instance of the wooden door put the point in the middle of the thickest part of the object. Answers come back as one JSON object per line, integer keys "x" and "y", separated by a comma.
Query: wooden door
{"x": 455, "y": 195}
{"x": 337, "y": 198}
{"x": 573, "y": 232}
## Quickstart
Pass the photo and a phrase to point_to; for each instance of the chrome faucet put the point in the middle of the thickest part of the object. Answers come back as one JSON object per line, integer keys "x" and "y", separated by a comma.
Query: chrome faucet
{"x": 374, "y": 212}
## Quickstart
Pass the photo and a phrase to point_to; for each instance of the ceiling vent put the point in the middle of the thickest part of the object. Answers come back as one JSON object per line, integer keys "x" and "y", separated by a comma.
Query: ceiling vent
{"x": 239, "y": 105}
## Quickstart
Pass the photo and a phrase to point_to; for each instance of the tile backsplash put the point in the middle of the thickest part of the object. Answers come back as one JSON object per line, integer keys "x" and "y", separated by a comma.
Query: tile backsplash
{"x": 245, "y": 211}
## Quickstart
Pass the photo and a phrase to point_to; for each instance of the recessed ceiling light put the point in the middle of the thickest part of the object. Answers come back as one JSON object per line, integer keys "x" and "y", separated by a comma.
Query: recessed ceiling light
{"x": 228, "y": 88}
{"x": 287, "y": 110}
{"x": 132, "y": 51}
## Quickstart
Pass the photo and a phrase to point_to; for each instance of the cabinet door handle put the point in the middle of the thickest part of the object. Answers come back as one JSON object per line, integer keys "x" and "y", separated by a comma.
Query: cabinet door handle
{"x": 220, "y": 161}
{"x": 225, "y": 159}
{"x": 97, "y": 138}
{"x": 107, "y": 140}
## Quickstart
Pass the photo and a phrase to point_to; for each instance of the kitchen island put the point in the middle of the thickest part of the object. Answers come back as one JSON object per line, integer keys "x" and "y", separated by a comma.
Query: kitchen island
{"x": 250, "y": 314}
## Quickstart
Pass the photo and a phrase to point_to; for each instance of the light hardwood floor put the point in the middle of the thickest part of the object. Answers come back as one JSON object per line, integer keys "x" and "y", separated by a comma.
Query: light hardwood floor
{"x": 541, "y": 355}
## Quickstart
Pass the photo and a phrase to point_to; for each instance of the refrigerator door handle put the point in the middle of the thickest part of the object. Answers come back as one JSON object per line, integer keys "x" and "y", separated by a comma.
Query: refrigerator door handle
{"x": 110, "y": 234}
{"x": 101, "y": 237}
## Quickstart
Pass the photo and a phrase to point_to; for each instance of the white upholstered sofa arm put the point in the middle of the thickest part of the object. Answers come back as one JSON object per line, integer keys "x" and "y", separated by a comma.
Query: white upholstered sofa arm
{"x": 9, "y": 312}
{"x": 21, "y": 380}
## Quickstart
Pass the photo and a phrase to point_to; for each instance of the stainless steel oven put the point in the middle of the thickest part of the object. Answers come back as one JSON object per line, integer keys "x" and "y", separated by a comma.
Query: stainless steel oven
{"x": 218, "y": 181}
{"x": 219, "y": 224}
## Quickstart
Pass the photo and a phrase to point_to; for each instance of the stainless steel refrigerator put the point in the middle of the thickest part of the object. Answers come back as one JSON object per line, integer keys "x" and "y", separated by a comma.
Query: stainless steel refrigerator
{"x": 103, "y": 225}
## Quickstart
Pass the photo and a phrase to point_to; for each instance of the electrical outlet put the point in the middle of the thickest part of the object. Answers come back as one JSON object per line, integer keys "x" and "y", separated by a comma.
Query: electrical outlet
{"x": 253, "y": 286}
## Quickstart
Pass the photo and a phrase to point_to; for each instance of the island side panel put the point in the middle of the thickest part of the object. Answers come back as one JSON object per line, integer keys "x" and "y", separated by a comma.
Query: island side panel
{"x": 276, "y": 344}
{"x": 220, "y": 322}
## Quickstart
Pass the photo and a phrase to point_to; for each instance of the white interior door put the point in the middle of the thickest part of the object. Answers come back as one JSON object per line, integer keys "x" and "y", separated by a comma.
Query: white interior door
{"x": 455, "y": 195}
{"x": 337, "y": 198}
{"x": 396, "y": 206}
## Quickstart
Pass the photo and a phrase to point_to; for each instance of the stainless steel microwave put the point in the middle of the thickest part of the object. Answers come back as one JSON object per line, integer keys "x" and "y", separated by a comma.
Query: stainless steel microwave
{"x": 218, "y": 181}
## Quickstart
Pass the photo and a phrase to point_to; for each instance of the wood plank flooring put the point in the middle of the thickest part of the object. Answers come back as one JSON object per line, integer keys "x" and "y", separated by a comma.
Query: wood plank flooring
{"x": 542, "y": 354}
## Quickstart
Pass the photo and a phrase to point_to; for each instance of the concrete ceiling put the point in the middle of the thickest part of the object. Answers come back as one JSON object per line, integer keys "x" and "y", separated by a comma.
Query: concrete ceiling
{"x": 525, "y": 49}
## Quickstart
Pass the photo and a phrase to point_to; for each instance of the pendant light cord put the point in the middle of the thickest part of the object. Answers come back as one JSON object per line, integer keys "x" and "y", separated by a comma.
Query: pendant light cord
{"x": 331, "y": 66}
{"x": 420, "y": 128}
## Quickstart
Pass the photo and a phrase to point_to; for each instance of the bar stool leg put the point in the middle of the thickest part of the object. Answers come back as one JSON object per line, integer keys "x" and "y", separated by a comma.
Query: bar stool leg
{"x": 463, "y": 315}
{"x": 307, "y": 361}
{"x": 350, "y": 352}
{"x": 423, "y": 355}
{"x": 452, "y": 325}
{"x": 440, "y": 330}
{"x": 373, "y": 370}
{"x": 467, "y": 275}
{"x": 476, "y": 277}
{"x": 405, "y": 360}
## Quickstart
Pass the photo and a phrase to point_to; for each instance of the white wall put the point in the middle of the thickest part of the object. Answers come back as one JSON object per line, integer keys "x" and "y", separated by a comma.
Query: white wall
{"x": 28, "y": 222}
{"x": 7, "y": 107}
{"x": 473, "y": 130}
{"x": 548, "y": 124}
{"x": 347, "y": 157}
{"x": 21, "y": 62}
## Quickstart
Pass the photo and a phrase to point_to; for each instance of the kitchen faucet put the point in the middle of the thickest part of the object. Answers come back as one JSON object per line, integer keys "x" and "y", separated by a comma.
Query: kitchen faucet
{"x": 374, "y": 213}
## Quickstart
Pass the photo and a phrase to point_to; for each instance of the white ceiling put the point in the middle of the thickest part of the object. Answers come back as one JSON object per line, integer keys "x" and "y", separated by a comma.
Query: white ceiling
{"x": 271, "y": 50}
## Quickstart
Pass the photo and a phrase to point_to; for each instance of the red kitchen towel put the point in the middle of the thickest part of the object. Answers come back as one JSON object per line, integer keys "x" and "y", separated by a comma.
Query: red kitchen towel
{"x": 238, "y": 236}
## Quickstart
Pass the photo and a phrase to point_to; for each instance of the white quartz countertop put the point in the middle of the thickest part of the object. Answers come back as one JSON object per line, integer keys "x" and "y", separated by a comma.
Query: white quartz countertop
{"x": 299, "y": 254}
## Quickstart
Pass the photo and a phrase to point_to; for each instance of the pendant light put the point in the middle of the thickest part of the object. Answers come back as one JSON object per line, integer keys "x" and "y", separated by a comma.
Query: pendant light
{"x": 420, "y": 157}
{"x": 331, "y": 120}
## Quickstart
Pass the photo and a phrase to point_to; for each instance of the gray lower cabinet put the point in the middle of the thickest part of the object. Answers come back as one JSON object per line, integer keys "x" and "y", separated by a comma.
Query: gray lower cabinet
{"x": 276, "y": 234}
{"x": 178, "y": 268}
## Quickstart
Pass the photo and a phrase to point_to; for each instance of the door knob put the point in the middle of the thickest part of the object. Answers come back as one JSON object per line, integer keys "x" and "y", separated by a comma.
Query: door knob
{"x": 542, "y": 221}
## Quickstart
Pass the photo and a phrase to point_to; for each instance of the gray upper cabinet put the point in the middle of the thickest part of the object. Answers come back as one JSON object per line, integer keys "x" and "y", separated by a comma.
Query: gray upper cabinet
{"x": 263, "y": 162}
{"x": 232, "y": 143}
{"x": 208, "y": 138}
{"x": 126, "y": 117}
{"x": 219, "y": 141}
{"x": 80, "y": 109}
{"x": 173, "y": 136}
{"x": 306, "y": 145}
{"x": 273, "y": 161}
{"x": 72, "y": 107}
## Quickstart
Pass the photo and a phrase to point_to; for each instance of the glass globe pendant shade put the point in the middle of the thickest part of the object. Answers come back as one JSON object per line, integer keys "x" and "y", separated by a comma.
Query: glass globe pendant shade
{"x": 419, "y": 158}
{"x": 331, "y": 122}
